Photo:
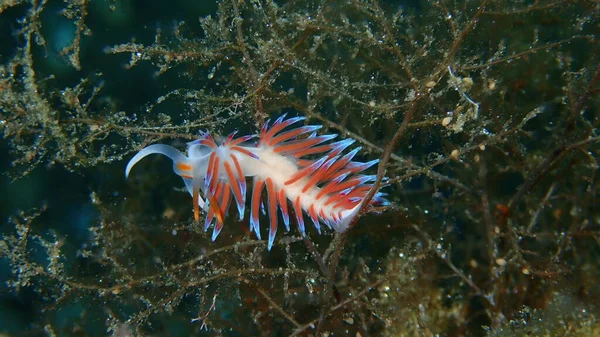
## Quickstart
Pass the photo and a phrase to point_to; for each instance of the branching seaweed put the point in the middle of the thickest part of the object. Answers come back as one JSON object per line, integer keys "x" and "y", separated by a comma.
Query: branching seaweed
{"x": 484, "y": 115}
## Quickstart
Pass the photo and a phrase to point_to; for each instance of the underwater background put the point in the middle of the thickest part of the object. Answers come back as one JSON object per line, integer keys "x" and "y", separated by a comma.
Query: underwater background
{"x": 484, "y": 114}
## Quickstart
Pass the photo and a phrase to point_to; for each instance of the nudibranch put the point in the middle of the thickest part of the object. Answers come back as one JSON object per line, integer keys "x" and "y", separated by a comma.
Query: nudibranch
{"x": 329, "y": 188}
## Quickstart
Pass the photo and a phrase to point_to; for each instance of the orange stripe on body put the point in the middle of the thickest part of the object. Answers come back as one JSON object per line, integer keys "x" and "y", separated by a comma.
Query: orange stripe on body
{"x": 256, "y": 194}
{"x": 238, "y": 168}
{"x": 312, "y": 213}
{"x": 206, "y": 142}
{"x": 225, "y": 198}
{"x": 282, "y": 202}
{"x": 229, "y": 138}
{"x": 244, "y": 151}
{"x": 221, "y": 208}
{"x": 234, "y": 183}
{"x": 272, "y": 198}
{"x": 335, "y": 216}
{"x": 211, "y": 160}
{"x": 313, "y": 150}
{"x": 183, "y": 167}
{"x": 195, "y": 204}
{"x": 343, "y": 185}
{"x": 305, "y": 172}
{"x": 304, "y": 162}
{"x": 325, "y": 190}
{"x": 266, "y": 137}
{"x": 339, "y": 172}
{"x": 299, "y": 215}
{"x": 214, "y": 173}
{"x": 297, "y": 145}
{"x": 333, "y": 198}
{"x": 316, "y": 177}
{"x": 343, "y": 204}
{"x": 214, "y": 209}
{"x": 332, "y": 170}
{"x": 285, "y": 136}
{"x": 332, "y": 187}
{"x": 237, "y": 141}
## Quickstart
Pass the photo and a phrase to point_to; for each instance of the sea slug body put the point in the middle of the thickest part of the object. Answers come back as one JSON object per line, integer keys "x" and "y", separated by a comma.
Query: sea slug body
{"x": 329, "y": 189}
